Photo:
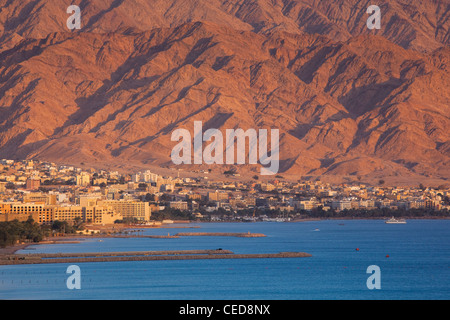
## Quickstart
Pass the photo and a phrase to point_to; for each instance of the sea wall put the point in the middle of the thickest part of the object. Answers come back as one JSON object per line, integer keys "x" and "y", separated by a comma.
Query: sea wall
{"x": 221, "y": 234}
{"x": 139, "y": 256}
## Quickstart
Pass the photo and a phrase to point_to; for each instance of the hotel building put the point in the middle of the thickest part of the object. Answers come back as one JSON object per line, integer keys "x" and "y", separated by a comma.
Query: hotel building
{"x": 45, "y": 214}
{"x": 129, "y": 208}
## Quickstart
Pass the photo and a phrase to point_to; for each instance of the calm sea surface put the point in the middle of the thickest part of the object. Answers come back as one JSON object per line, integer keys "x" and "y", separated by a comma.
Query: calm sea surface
{"x": 414, "y": 262}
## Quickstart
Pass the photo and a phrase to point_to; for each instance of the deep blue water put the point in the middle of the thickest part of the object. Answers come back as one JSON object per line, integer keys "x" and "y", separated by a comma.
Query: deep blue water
{"x": 417, "y": 266}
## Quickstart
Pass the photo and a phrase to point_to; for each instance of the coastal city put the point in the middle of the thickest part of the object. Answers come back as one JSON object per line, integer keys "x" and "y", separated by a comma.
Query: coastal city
{"x": 48, "y": 192}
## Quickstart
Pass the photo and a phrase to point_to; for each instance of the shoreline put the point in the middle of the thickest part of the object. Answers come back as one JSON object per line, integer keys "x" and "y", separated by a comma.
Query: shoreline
{"x": 72, "y": 238}
{"x": 13, "y": 249}
{"x": 371, "y": 218}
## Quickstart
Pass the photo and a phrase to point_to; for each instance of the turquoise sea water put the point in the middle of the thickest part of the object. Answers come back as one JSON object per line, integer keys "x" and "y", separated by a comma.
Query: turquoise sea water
{"x": 417, "y": 266}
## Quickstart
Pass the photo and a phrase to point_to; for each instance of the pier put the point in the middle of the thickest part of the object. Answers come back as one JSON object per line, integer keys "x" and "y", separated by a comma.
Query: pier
{"x": 41, "y": 258}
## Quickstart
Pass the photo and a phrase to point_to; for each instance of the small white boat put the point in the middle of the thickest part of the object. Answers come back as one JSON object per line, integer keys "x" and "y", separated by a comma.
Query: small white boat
{"x": 395, "y": 221}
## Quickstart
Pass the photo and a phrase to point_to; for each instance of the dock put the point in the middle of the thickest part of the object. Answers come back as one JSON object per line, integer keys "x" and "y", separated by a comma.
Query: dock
{"x": 41, "y": 258}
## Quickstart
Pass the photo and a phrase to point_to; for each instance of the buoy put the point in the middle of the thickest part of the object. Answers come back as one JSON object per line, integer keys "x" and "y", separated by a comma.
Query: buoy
{"x": 387, "y": 256}
{"x": 357, "y": 249}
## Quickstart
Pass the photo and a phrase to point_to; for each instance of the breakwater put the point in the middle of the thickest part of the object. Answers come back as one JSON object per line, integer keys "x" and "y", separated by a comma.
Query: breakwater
{"x": 221, "y": 234}
{"x": 139, "y": 256}
{"x": 168, "y": 236}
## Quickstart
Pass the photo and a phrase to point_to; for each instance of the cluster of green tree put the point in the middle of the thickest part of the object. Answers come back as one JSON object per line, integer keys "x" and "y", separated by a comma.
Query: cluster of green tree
{"x": 58, "y": 182}
{"x": 128, "y": 220}
{"x": 148, "y": 197}
{"x": 446, "y": 200}
{"x": 10, "y": 186}
{"x": 13, "y": 231}
{"x": 230, "y": 172}
{"x": 121, "y": 180}
{"x": 66, "y": 227}
{"x": 171, "y": 214}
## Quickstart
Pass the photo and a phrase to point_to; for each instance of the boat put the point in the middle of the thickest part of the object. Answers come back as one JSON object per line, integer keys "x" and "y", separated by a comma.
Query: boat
{"x": 393, "y": 220}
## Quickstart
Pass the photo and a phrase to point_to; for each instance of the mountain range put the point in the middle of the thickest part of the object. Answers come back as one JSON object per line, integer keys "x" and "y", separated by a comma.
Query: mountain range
{"x": 348, "y": 101}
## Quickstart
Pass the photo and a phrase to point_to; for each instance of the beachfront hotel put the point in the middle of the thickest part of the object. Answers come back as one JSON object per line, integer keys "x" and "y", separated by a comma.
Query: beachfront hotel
{"x": 46, "y": 214}
{"x": 129, "y": 208}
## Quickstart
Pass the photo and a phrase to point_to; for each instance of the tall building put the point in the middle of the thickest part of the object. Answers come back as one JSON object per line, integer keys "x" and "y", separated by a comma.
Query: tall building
{"x": 44, "y": 214}
{"x": 306, "y": 204}
{"x": 33, "y": 184}
{"x": 217, "y": 196}
{"x": 146, "y": 177}
{"x": 38, "y": 197}
{"x": 87, "y": 200}
{"x": 10, "y": 211}
{"x": 100, "y": 214}
{"x": 83, "y": 179}
{"x": 341, "y": 205}
{"x": 180, "y": 205}
{"x": 267, "y": 187}
{"x": 129, "y": 208}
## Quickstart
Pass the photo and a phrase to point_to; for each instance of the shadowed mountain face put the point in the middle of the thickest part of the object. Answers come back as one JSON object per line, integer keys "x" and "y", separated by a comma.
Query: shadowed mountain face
{"x": 347, "y": 100}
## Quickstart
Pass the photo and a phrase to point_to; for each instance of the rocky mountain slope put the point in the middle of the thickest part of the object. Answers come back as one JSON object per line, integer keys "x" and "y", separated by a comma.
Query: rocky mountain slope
{"x": 348, "y": 101}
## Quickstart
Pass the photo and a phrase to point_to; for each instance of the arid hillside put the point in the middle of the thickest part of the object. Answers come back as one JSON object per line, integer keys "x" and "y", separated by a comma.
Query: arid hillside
{"x": 348, "y": 101}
